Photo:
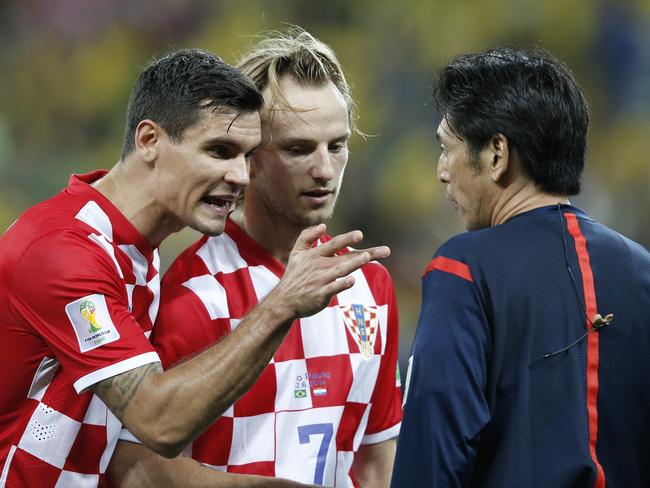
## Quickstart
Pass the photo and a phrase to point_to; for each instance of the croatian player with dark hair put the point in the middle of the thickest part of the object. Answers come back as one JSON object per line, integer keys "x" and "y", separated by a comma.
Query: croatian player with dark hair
{"x": 531, "y": 361}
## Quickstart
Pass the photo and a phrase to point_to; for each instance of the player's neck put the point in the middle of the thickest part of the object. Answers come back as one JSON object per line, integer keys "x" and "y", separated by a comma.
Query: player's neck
{"x": 276, "y": 236}
{"x": 126, "y": 188}
{"x": 522, "y": 197}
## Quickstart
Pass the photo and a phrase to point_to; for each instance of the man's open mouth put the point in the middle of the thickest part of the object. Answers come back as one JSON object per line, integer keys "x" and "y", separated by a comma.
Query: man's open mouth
{"x": 223, "y": 203}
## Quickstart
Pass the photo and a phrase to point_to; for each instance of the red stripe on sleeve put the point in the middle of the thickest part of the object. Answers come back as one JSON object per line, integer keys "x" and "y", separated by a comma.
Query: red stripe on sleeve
{"x": 448, "y": 265}
{"x": 592, "y": 341}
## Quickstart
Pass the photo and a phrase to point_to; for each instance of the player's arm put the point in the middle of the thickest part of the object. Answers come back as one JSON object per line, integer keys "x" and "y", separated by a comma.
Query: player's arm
{"x": 445, "y": 407}
{"x": 135, "y": 466}
{"x": 165, "y": 411}
{"x": 373, "y": 464}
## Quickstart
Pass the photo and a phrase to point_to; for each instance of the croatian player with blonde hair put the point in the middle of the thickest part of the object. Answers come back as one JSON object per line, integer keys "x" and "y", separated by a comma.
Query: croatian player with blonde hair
{"x": 327, "y": 408}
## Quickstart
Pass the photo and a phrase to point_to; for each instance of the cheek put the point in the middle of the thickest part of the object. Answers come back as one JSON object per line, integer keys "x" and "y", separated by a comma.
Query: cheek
{"x": 341, "y": 163}
{"x": 168, "y": 182}
{"x": 294, "y": 178}
{"x": 271, "y": 177}
{"x": 180, "y": 176}
{"x": 265, "y": 166}
{"x": 339, "y": 166}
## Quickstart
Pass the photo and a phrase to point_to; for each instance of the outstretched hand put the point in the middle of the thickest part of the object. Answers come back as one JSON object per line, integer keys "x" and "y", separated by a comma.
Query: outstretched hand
{"x": 316, "y": 273}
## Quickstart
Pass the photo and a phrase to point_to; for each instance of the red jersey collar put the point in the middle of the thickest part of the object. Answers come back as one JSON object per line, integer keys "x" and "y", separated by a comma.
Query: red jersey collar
{"x": 123, "y": 230}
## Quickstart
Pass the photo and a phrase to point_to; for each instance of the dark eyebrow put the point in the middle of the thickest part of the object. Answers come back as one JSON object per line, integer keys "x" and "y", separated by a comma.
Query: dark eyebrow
{"x": 226, "y": 141}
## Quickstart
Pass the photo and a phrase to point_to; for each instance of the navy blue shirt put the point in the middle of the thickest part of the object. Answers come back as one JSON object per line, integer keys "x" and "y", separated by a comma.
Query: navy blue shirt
{"x": 484, "y": 406}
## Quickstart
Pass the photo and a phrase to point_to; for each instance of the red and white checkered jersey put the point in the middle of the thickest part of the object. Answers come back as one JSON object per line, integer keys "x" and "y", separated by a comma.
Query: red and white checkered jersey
{"x": 80, "y": 291}
{"x": 331, "y": 386}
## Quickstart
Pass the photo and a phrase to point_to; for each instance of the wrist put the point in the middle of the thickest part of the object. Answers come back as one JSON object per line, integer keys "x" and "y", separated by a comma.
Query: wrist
{"x": 277, "y": 309}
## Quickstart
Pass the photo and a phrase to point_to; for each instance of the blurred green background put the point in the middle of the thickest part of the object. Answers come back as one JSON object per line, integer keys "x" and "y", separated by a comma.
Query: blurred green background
{"x": 67, "y": 67}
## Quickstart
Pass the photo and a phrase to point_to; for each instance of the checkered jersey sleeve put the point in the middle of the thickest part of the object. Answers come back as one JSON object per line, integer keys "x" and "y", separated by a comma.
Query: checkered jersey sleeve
{"x": 70, "y": 293}
{"x": 386, "y": 403}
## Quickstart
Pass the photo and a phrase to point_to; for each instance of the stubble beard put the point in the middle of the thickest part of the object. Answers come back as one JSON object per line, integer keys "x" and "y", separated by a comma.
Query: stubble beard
{"x": 290, "y": 214}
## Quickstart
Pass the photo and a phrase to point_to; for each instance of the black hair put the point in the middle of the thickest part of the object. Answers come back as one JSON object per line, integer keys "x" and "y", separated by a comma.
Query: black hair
{"x": 174, "y": 90}
{"x": 529, "y": 96}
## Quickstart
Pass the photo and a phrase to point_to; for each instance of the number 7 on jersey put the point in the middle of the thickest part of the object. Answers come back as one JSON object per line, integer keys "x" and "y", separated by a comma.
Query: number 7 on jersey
{"x": 305, "y": 432}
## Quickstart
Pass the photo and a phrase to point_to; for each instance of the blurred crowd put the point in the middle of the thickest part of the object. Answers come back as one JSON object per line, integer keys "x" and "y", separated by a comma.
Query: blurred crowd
{"x": 67, "y": 67}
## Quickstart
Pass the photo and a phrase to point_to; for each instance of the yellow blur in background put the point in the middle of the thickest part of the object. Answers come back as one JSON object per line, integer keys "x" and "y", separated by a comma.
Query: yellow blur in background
{"x": 67, "y": 67}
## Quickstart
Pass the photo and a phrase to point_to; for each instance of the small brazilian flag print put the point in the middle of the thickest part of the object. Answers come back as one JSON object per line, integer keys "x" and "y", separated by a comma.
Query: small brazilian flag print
{"x": 299, "y": 393}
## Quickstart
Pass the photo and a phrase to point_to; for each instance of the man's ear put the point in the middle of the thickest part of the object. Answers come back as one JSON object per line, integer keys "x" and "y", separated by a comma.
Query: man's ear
{"x": 147, "y": 135}
{"x": 498, "y": 156}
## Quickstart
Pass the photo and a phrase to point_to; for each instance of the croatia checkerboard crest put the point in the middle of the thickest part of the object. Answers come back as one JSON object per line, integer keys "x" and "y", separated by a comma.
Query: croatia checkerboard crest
{"x": 361, "y": 321}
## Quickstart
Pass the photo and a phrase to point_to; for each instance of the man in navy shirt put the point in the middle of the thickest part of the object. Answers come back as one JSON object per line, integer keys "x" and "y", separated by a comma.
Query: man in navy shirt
{"x": 531, "y": 362}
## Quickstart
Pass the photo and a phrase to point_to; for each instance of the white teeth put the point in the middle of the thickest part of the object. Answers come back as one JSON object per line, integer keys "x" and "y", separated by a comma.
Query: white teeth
{"x": 216, "y": 201}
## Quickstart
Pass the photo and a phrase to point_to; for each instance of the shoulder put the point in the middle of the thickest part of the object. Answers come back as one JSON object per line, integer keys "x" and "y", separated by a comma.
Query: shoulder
{"x": 469, "y": 245}
{"x": 44, "y": 219}
{"x": 62, "y": 232}
{"x": 187, "y": 264}
{"x": 64, "y": 259}
{"x": 600, "y": 232}
{"x": 637, "y": 250}
{"x": 376, "y": 273}
{"x": 606, "y": 246}
{"x": 65, "y": 249}
{"x": 225, "y": 253}
{"x": 461, "y": 255}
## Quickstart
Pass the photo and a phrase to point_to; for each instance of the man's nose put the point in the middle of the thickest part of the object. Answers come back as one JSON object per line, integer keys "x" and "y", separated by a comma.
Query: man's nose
{"x": 238, "y": 172}
{"x": 322, "y": 164}
{"x": 442, "y": 173}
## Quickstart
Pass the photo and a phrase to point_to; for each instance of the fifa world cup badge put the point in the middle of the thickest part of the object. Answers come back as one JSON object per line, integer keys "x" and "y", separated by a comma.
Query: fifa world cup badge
{"x": 91, "y": 322}
{"x": 87, "y": 310}
{"x": 361, "y": 321}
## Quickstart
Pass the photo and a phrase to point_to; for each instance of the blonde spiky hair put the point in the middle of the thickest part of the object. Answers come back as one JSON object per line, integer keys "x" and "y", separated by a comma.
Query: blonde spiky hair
{"x": 299, "y": 54}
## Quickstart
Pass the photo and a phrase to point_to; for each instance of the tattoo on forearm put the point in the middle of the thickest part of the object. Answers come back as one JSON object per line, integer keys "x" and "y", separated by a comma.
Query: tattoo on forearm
{"x": 118, "y": 391}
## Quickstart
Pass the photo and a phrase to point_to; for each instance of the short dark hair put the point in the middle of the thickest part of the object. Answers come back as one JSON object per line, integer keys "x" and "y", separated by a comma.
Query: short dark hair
{"x": 174, "y": 90}
{"x": 529, "y": 96}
